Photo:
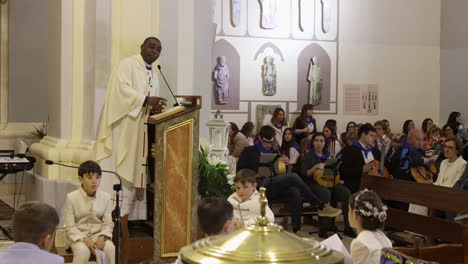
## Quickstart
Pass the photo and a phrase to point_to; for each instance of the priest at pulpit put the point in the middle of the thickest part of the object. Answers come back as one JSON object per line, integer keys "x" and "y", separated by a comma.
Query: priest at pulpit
{"x": 122, "y": 142}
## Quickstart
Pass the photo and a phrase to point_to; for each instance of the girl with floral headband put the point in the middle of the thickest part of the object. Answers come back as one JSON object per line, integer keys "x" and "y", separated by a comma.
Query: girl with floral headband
{"x": 367, "y": 215}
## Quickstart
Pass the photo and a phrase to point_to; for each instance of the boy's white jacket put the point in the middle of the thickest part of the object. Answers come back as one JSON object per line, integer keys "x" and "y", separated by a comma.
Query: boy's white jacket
{"x": 249, "y": 210}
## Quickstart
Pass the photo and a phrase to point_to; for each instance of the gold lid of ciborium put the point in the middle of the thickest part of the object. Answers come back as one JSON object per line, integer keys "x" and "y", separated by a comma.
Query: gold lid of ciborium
{"x": 261, "y": 243}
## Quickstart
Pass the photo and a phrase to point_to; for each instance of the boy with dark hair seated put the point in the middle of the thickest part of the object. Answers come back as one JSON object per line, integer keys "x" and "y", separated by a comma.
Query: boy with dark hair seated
{"x": 34, "y": 225}
{"x": 246, "y": 200}
{"x": 88, "y": 220}
{"x": 215, "y": 216}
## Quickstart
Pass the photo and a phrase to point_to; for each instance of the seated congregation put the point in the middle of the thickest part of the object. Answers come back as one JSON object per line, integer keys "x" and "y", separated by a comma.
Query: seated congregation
{"x": 332, "y": 174}
{"x": 332, "y": 165}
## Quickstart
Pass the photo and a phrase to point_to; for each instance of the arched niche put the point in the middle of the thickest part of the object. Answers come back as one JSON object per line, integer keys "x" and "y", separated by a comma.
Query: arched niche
{"x": 224, "y": 48}
{"x": 303, "y": 65}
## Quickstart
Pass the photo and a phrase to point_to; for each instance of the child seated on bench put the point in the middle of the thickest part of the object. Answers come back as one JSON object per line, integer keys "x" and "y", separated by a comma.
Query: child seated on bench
{"x": 34, "y": 225}
{"x": 367, "y": 215}
{"x": 88, "y": 220}
{"x": 246, "y": 200}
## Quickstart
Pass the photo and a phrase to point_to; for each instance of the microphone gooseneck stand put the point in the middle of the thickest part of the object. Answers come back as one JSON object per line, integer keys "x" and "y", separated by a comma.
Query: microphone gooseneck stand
{"x": 117, "y": 217}
{"x": 167, "y": 84}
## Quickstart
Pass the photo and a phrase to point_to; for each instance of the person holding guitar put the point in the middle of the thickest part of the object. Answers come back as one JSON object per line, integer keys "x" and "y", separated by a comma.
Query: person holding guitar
{"x": 359, "y": 158}
{"x": 410, "y": 155}
{"x": 320, "y": 172}
{"x": 287, "y": 186}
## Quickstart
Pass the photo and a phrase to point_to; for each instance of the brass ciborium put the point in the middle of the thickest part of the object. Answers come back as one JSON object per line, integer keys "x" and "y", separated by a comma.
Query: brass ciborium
{"x": 261, "y": 243}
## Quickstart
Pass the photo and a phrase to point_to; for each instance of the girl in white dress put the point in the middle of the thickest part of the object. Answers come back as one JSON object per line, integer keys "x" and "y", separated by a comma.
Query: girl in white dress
{"x": 367, "y": 215}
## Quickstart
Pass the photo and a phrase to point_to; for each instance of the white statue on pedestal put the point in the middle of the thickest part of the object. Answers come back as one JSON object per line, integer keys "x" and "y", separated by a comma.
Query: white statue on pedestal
{"x": 221, "y": 76}
{"x": 315, "y": 79}
{"x": 269, "y": 14}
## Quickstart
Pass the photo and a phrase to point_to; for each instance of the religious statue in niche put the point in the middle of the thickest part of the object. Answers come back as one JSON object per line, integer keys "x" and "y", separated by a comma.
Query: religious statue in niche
{"x": 315, "y": 79}
{"x": 221, "y": 76}
{"x": 235, "y": 12}
{"x": 269, "y": 76}
{"x": 326, "y": 15}
{"x": 269, "y": 14}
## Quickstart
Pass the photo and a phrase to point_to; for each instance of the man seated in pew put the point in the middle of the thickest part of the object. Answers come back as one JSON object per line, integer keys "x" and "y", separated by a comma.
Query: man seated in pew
{"x": 367, "y": 214}
{"x": 410, "y": 155}
{"x": 34, "y": 225}
{"x": 358, "y": 159}
{"x": 288, "y": 186}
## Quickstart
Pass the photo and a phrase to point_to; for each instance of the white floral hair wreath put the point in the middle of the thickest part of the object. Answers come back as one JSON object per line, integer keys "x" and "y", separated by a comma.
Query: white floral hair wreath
{"x": 368, "y": 210}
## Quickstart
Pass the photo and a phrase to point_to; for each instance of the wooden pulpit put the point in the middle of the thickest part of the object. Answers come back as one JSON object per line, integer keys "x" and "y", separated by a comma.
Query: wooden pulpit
{"x": 176, "y": 144}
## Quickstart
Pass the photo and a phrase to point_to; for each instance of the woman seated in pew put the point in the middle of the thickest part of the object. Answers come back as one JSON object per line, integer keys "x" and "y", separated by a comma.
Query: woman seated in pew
{"x": 351, "y": 126}
{"x": 407, "y": 126}
{"x": 367, "y": 214}
{"x": 305, "y": 123}
{"x": 426, "y": 125}
{"x": 247, "y": 131}
{"x": 454, "y": 120}
{"x": 435, "y": 141}
{"x": 279, "y": 124}
{"x": 317, "y": 164}
{"x": 449, "y": 130}
{"x": 331, "y": 138}
{"x": 452, "y": 167}
{"x": 451, "y": 170}
{"x": 236, "y": 141}
{"x": 291, "y": 149}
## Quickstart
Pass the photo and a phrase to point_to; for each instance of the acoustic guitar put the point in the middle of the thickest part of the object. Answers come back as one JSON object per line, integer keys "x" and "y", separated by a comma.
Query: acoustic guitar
{"x": 424, "y": 174}
{"x": 329, "y": 177}
{"x": 270, "y": 165}
{"x": 375, "y": 168}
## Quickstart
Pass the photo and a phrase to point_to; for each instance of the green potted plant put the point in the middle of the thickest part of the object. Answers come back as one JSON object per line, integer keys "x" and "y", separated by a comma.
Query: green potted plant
{"x": 214, "y": 177}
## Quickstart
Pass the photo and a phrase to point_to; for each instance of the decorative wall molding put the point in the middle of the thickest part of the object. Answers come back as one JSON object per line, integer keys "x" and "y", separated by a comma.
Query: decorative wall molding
{"x": 4, "y": 32}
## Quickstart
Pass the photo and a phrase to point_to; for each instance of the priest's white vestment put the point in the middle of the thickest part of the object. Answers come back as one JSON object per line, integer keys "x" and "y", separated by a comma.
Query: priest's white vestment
{"x": 122, "y": 138}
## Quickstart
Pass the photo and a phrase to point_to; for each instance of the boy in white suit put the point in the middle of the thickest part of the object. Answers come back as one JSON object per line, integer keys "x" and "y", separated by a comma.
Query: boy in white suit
{"x": 88, "y": 219}
{"x": 246, "y": 200}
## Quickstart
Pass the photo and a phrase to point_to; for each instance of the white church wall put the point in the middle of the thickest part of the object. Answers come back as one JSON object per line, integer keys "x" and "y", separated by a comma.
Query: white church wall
{"x": 454, "y": 59}
{"x": 394, "y": 44}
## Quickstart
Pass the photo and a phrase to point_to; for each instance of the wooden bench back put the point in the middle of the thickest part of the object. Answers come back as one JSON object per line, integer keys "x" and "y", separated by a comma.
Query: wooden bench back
{"x": 435, "y": 197}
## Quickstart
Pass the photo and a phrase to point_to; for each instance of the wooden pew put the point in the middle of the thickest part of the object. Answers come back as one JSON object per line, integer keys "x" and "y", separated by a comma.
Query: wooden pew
{"x": 434, "y": 197}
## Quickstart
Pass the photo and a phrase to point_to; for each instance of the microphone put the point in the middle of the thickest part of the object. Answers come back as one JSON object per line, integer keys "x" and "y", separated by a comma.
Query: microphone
{"x": 50, "y": 162}
{"x": 167, "y": 84}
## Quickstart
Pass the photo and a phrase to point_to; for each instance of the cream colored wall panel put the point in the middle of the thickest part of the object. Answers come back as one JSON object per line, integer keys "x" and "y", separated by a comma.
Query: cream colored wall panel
{"x": 408, "y": 79}
{"x": 396, "y": 22}
{"x": 302, "y": 19}
{"x": 326, "y": 16}
{"x": 283, "y": 16}
{"x": 227, "y": 25}
{"x": 217, "y": 14}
